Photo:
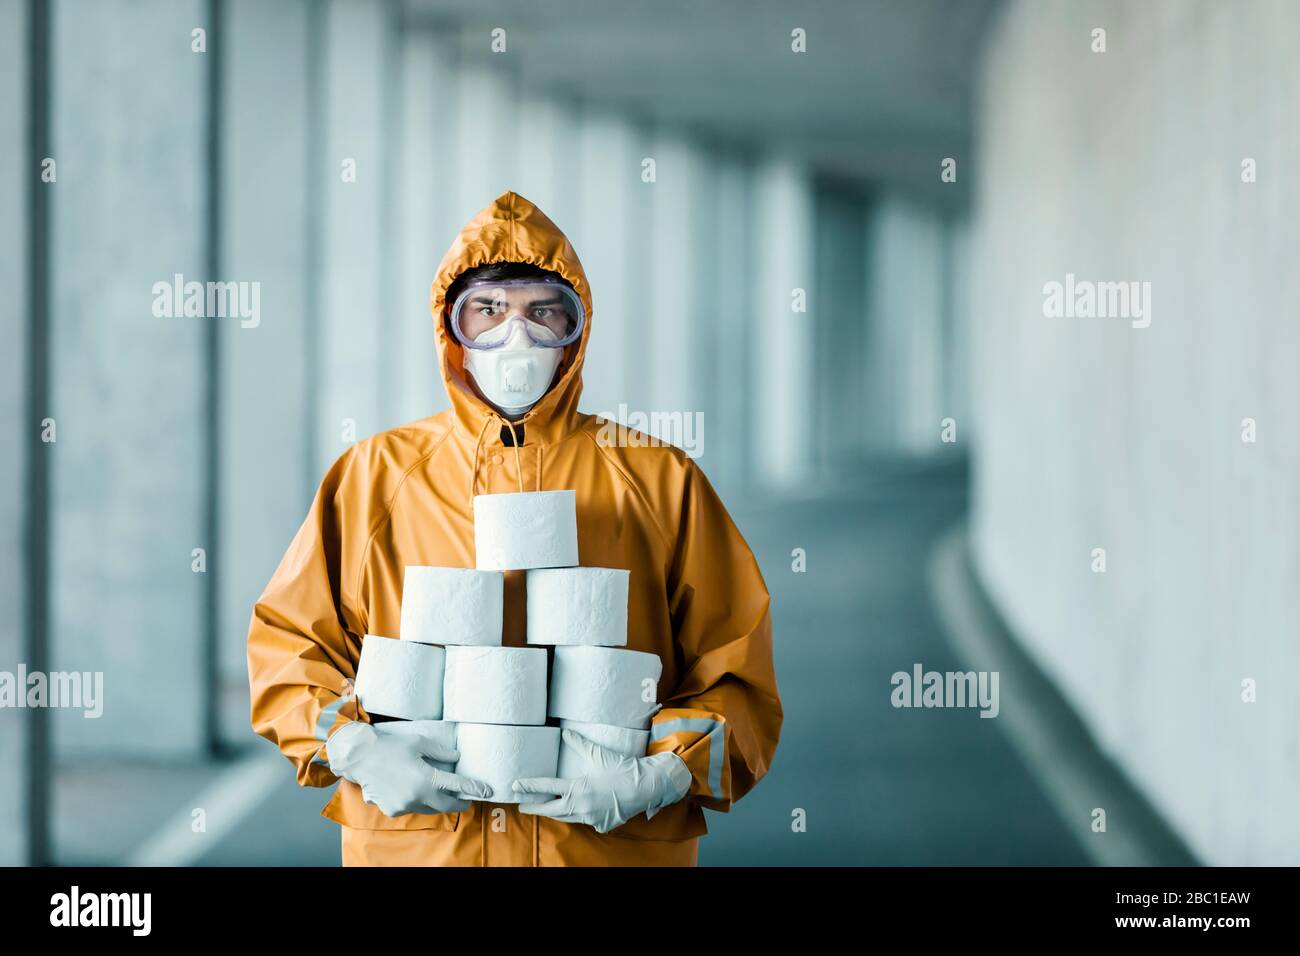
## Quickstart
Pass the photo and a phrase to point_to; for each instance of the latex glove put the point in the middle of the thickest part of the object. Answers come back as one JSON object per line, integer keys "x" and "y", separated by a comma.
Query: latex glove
{"x": 392, "y": 774}
{"x": 617, "y": 788}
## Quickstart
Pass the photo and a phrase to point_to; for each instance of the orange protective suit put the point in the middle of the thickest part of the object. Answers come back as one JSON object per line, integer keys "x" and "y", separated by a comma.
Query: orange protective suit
{"x": 405, "y": 496}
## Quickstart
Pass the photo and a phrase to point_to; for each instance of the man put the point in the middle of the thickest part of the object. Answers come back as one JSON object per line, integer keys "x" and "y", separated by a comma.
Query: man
{"x": 512, "y": 311}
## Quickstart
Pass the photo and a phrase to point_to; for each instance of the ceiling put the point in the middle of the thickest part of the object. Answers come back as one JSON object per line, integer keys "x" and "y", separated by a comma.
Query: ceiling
{"x": 883, "y": 93}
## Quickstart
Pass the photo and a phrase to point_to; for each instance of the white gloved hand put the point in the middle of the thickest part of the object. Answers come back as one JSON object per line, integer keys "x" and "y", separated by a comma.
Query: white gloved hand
{"x": 617, "y": 788}
{"x": 392, "y": 774}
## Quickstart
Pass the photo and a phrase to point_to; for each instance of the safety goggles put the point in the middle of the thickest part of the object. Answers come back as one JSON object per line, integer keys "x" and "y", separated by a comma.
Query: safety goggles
{"x": 552, "y": 313}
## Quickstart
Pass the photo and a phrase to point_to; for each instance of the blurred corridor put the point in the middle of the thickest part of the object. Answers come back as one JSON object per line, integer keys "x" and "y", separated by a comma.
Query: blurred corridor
{"x": 822, "y": 241}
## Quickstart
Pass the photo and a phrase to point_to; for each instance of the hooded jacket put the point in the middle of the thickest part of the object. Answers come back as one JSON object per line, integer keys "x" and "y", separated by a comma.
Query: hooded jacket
{"x": 405, "y": 496}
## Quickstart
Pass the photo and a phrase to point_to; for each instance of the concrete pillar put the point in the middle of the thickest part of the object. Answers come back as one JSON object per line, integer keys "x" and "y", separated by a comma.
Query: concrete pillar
{"x": 904, "y": 357}
{"x": 16, "y": 181}
{"x": 607, "y": 161}
{"x": 839, "y": 329}
{"x": 266, "y": 483}
{"x": 726, "y": 451}
{"x": 781, "y": 384}
{"x": 357, "y": 390}
{"x": 425, "y": 163}
{"x": 957, "y": 333}
{"x": 128, "y": 212}
{"x": 487, "y": 153}
{"x": 674, "y": 336}
{"x": 548, "y": 158}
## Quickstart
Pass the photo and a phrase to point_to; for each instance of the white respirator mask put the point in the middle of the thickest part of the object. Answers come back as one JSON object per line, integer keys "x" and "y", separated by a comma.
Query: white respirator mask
{"x": 514, "y": 373}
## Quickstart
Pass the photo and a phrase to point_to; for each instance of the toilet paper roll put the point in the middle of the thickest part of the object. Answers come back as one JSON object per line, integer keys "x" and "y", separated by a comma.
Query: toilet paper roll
{"x": 452, "y": 606}
{"x": 632, "y": 743}
{"x": 499, "y": 755}
{"x": 532, "y": 529}
{"x": 443, "y": 731}
{"x": 571, "y": 606}
{"x": 495, "y": 685}
{"x": 400, "y": 678}
{"x": 603, "y": 685}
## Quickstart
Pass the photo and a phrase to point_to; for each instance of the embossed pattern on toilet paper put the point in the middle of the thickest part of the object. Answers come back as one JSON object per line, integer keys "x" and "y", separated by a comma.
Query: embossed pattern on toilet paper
{"x": 452, "y": 606}
{"x": 495, "y": 685}
{"x": 603, "y": 685}
{"x": 536, "y": 529}
{"x": 578, "y": 606}
{"x": 400, "y": 678}
{"x": 499, "y": 755}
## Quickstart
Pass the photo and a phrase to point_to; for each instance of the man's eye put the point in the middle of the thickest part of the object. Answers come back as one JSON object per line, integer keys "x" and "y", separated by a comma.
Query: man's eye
{"x": 542, "y": 312}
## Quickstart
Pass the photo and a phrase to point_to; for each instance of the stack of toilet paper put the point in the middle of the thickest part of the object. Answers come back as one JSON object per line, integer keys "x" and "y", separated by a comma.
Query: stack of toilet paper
{"x": 449, "y": 665}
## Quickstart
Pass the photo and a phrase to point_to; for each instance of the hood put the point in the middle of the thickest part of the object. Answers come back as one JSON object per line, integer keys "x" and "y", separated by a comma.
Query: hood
{"x": 512, "y": 229}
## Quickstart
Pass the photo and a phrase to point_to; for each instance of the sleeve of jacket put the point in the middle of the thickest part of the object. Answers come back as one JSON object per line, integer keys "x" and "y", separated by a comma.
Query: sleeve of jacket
{"x": 725, "y": 718}
{"x": 301, "y": 656}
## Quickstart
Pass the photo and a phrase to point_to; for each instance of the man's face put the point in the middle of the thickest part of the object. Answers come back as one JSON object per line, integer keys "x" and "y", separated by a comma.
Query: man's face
{"x": 487, "y": 307}
{"x": 515, "y": 333}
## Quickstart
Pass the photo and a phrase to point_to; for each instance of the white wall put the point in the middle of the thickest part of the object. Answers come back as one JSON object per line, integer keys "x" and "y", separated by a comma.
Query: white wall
{"x": 1126, "y": 165}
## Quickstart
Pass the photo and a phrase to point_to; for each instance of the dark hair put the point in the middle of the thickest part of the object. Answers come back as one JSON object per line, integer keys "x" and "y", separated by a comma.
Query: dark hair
{"x": 499, "y": 270}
